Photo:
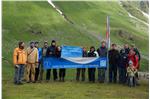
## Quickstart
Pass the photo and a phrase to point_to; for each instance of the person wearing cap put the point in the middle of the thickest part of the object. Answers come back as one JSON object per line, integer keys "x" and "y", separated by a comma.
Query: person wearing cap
{"x": 32, "y": 62}
{"x": 131, "y": 73}
{"x": 91, "y": 71}
{"x": 37, "y": 69}
{"x": 51, "y": 52}
{"x": 44, "y": 50}
{"x": 19, "y": 61}
{"x": 102, "y": 52}
{"x": 81, "y": 70}
{"x": 113, "y": 55}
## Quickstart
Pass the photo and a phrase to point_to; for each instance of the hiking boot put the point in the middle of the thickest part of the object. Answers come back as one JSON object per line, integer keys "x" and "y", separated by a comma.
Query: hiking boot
{"x": 20, "y": 83}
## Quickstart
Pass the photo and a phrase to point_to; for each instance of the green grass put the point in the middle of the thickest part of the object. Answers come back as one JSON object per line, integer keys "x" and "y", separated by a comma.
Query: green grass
{"x": 19, "y": 18}
{"x": 73, "y": 90}
{"x": 69, "y": 89}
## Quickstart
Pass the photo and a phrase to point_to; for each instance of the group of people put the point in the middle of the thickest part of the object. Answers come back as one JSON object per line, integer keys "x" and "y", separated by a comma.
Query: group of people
{"x": 29, "y": 63}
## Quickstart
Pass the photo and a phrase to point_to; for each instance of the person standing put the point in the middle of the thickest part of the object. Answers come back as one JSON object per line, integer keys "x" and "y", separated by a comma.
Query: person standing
{"x": 19, "y": 61}
{"x": 133, "y": 47}
{"x": 131, "y": 72}
{"x": 81, "y": 70}
{"x": 126, "y": 48}
{"x": 134, "y": 58}
{"x": 37, "y": 69}
{"x": 102, "y": 52}
{"x": 113, "y": 63}
{"x": 123, "y": 62}
{"x": 32, "y": 62}
{"x": 51, "y": 52}
{"x": 44, "y": 50}
{"x": 91, "y": 71}
{"x": 62, "y": 71}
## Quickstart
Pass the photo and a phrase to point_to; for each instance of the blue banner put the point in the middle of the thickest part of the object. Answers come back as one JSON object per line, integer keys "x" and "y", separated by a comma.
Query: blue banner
{"x": 71, "y": 51}
{"x": 50, "y": 62}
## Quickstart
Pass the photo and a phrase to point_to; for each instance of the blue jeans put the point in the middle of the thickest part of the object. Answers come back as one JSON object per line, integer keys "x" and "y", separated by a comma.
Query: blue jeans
{"x": 19, "y": 73}
{"x": 101, "y": 74}
{"x": 131, "y": 81}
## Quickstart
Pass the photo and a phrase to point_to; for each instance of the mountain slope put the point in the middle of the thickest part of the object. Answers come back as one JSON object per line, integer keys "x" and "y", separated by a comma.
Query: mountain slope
{"x": 29, "y": 21}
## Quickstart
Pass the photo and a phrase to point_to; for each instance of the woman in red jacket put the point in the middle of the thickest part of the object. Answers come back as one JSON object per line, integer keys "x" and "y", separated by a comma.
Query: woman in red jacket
{"x": 134, "y": 58}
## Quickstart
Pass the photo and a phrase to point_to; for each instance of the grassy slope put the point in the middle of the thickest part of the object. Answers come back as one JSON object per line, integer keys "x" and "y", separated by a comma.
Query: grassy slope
{"x": 19, "y": 17}
{"x": 92, "y": 17}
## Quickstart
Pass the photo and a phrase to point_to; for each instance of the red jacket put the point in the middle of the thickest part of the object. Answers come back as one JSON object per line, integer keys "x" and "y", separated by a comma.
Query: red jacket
{"x": 134, "y": 59}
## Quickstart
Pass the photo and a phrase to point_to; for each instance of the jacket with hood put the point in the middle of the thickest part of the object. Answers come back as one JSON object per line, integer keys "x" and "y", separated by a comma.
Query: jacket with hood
{"x": 19, "y": 56}
{"x": 51, "y": 51}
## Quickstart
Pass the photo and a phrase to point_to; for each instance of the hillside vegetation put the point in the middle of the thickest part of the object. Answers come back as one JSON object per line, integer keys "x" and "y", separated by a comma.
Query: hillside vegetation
{"x": 29, "y": 21}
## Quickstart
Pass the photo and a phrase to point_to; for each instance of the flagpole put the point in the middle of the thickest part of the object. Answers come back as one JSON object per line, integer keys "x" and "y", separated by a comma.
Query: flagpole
{"x": 108, "y": 46}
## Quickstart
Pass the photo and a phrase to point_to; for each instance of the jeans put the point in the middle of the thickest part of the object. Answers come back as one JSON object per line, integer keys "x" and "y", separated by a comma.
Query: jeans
{"x": 131, "y": 81}
{"x": 113, "y": 75}
{"x": 19, "y": 73}
{"x": 101, "y": 74}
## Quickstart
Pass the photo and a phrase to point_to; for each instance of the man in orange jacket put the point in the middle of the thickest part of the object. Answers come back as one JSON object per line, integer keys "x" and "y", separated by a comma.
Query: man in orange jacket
{"x": 19, "y": 60}
{"x": 32, "y": 62}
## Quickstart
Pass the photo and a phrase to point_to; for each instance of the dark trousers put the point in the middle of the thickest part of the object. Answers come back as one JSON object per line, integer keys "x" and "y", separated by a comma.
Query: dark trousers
{"x": 112, "y": 74}
{"x": 41, "y": 73}
{"x": 91, "y": 74}
{"x": 55, "y": 74}
{"x": 122, "y": 75}
{"x": 82, "y": 72}
{"x": 48, "y": 74}
{"x": 101, "y": 74}
{"x": 62, "y": 73}
{"x": 37, "y": 70}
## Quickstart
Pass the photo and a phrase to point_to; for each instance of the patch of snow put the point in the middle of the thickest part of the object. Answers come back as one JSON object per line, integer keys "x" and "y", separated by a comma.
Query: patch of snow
{"x": 131, "y": 16}
{"x": 120, "y": 3}
{"x": 145, "y": 14}
{"x": 51, "y": 3}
